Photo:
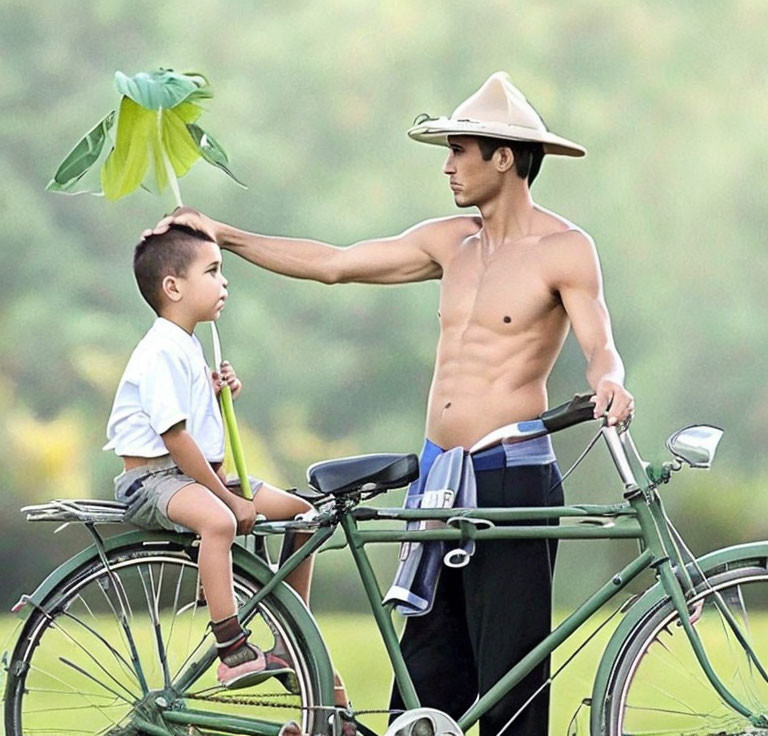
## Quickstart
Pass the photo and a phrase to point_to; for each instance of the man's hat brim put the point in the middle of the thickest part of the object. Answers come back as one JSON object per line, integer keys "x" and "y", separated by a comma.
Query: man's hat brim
{"x": 437, "y": 130}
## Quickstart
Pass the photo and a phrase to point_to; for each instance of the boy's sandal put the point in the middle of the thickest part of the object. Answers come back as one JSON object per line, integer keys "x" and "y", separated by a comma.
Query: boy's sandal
{"x": 287, "y": 678}
{"x": 251, "y": 673}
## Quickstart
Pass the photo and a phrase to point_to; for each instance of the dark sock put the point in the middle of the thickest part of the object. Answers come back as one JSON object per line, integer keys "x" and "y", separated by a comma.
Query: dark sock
{"x": 232, "y": 642}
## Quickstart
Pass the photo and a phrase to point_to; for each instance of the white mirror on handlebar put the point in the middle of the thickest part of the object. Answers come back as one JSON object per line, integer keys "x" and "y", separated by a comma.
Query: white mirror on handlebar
{"x": 695, "y": 445}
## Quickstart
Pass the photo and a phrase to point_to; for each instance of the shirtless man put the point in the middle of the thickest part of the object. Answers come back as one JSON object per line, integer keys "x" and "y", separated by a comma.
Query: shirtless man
{"x": 512, "y": 280}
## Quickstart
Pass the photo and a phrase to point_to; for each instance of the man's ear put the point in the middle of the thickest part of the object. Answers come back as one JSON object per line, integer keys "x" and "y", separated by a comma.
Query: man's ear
{"x": 170, "y": 287}
{"x": 503, "y": 159}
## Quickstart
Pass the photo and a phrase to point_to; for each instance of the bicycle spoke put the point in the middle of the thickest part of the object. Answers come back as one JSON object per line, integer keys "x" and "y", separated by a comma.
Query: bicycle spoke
{"x": 120, "y": 659}
{"x": 83, "y": 672}
{"x": 55, "y": 709}
{"x": 91, "y": 656}
{"x": 87, "y": 608}
{"x": 53, "y": 691}
{"x": 122, "y": 619}
{"x": 152, "y": 605}
{"x": 175, "y": 606}
{"x": 73, "y": 691}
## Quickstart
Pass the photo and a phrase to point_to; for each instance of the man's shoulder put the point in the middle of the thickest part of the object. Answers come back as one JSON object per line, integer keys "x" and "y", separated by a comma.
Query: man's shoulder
{"x": 448, "y": 232}
{"x": 573, "y": 239}
{"x": 461, "y": 225}
{"x": 566, "y": 238}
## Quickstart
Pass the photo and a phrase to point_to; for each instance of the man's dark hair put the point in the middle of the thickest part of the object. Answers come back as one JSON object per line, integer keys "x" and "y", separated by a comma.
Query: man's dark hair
{"x": 528, "y": 155}
{"x": 167, "y": 254}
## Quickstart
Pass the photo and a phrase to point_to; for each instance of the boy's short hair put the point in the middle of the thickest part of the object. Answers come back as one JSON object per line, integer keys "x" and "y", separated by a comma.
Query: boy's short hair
{"x": 167, "y": 254}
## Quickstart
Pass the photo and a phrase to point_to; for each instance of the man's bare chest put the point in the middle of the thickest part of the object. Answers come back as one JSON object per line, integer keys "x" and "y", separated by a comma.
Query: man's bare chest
{"x": 507, "y": 293}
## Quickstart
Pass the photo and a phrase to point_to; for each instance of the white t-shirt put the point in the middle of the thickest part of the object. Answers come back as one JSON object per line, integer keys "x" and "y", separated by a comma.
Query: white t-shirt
{"x": 165, "y": 382}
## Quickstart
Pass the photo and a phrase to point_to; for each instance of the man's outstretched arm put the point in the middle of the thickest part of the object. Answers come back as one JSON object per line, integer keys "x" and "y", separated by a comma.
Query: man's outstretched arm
{"x": 579, "y": 284}
{"x": 412, "y": 256}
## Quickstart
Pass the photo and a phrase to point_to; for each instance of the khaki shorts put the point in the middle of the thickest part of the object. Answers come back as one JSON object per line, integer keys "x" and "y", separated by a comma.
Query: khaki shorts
{"x": 148, "y": 489}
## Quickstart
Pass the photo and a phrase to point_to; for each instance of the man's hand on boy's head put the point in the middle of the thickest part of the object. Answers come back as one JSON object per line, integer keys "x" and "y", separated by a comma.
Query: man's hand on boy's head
{"x": 184, "y": 216}
{"x": 226, "y": 375}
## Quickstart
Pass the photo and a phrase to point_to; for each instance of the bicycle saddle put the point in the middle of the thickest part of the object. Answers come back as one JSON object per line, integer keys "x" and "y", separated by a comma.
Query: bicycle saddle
{"x": 347, "y": 474}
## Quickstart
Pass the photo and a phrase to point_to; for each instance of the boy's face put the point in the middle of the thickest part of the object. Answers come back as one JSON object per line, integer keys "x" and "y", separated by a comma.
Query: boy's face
{"x": 204, "y": 288}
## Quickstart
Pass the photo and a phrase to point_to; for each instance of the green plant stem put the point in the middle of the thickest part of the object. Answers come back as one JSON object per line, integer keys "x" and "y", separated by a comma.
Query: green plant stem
{"x": 170, "y": 173}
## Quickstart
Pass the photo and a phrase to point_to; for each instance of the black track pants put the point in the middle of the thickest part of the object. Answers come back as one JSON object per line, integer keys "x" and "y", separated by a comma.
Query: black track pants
{"x": 490, "y": 614}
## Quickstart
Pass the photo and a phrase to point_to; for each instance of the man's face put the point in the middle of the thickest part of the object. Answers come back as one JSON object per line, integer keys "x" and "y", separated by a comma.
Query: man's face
{"x": 204, "y": 287}
{"x": 472, "y": 180}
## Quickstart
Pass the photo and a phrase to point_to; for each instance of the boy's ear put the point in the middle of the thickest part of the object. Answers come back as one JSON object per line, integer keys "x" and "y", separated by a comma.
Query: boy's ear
{"x": 170, "y": 287}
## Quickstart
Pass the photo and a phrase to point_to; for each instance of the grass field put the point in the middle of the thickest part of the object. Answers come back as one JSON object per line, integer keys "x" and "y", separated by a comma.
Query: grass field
{"x": 359, "y": 655}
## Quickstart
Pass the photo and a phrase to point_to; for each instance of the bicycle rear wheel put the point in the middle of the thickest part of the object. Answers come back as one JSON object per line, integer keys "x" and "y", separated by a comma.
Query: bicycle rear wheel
{"x": 105, "y": 653}
{"x": 658, "y": 687}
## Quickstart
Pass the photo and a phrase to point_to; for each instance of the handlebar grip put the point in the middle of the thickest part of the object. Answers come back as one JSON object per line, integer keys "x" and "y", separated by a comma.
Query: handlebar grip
{"x": 579, "y": 409}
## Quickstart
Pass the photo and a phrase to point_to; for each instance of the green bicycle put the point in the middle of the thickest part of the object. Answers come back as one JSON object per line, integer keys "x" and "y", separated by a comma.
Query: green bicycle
{"x": 114, "y": 641}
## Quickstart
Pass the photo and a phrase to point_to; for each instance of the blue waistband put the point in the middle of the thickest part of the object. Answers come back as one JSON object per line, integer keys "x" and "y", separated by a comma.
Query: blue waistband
{"x": 536, "y": 451}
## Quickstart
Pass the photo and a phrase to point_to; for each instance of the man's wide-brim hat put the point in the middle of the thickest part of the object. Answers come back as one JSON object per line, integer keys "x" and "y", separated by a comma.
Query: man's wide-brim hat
{"x": 497, "y": 110}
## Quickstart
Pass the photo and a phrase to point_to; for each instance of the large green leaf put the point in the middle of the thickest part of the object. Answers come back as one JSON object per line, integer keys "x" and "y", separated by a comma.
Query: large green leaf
{"x": 211, "y": 151}
{"x": 82, "y": 156}
{"x": 127, "y": 162}
{"x": 177, "y": 141}
{"x": 163, "y": 88}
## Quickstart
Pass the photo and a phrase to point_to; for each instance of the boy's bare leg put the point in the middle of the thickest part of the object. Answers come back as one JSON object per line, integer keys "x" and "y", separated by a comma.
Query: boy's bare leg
{"x": 276, "y": 504}
{"x": 196, "y": 508}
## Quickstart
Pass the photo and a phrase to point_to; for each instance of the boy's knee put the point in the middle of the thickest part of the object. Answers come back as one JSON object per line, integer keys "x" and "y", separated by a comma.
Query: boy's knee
{"x": 221, "y": 525}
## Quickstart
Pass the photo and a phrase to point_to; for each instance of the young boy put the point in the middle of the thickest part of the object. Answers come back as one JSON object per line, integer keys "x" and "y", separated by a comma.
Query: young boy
{"x": 167, "y": 428}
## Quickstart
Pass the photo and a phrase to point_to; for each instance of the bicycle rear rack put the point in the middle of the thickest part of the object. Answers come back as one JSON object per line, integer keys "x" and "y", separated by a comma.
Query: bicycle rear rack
{"x": 87, "y": 511}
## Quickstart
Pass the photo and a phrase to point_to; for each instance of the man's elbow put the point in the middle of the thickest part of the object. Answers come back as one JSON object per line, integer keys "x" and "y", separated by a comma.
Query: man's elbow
{"x": 330, "y": 276}
{"x": 333, "y": 272}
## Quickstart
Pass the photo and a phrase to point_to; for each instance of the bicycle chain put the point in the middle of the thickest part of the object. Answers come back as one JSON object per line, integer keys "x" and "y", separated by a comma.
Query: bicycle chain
{"x": 253, "y": 700}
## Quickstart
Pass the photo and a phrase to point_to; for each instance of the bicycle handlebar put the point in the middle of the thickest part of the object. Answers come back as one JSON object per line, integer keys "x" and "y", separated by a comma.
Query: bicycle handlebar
{"x": 579, "y": 409}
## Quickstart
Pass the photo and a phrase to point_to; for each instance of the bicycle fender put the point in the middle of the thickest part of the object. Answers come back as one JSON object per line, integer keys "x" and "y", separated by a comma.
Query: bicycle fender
{"x": 717, "y": 561}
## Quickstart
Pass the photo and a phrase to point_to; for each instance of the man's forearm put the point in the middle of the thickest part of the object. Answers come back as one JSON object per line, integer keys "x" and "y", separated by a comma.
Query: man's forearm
{"x": 303, "y": 259}
{"x": 186, "y": 453}
{"x": 605, "y": 365}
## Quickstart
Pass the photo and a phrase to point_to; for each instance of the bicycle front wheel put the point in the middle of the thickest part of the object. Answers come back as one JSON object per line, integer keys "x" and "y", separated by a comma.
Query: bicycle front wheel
{"x": 657, "y": 685}
{"x": 104, "y": 654}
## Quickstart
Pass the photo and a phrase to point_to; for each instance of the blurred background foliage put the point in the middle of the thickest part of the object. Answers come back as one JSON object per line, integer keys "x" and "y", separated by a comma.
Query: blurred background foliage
{"x": 312, "y": 102}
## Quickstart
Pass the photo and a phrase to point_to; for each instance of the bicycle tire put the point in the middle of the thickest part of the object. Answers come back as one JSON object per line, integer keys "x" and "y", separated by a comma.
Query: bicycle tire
{"x": 656, "y": 685}
{"x": 72, "y": 670}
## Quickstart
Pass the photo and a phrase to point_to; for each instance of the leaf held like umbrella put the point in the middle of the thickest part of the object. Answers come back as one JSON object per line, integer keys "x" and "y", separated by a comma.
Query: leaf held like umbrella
{"x": 82, "y": 156}
{"x": 163, "y": 88}
{"x": 212, "y": 152}
{"x": 154, "y": 145}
